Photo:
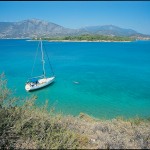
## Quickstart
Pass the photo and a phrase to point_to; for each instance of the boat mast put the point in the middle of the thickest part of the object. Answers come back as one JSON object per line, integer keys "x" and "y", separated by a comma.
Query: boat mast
{"x": 43, "y": 61}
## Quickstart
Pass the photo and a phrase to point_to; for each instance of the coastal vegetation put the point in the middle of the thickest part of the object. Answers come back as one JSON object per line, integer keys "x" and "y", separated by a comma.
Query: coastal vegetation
{"x": 88, "y": 37}
{"x": 23, "y": 125}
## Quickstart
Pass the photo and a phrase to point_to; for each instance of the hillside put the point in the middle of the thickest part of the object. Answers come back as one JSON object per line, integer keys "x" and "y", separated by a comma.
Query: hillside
{"x": 30, "y": 127}
{"x": 109, "y": 30}
{"x": 33, "y": 28}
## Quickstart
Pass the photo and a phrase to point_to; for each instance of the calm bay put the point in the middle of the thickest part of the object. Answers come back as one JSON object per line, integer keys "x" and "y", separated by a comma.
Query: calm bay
{"x": 102, "y": 79}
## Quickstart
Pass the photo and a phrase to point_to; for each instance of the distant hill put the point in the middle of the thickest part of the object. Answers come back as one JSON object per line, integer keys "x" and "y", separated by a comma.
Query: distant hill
{"x": 109, "y": 30}
{"x": 31, "y": 28}
{"x": 37, "y": 28}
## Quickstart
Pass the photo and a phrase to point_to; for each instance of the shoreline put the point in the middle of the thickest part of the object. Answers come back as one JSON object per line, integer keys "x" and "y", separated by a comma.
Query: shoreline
{"x": 34, "y": 127}
{"x": 84, "y": 41}
{"x": 30, "y": 40}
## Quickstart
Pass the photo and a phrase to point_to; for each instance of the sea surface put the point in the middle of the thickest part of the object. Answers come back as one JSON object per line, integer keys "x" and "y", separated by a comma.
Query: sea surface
{"x": 102, "y": 79}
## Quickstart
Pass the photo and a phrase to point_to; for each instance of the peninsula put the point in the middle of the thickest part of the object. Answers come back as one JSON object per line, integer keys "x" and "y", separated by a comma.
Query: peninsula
{"x": 88, "y": 38}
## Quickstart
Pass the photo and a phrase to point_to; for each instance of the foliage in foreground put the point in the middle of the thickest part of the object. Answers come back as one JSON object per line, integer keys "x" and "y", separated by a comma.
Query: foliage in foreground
{"x": 30, "y": 127}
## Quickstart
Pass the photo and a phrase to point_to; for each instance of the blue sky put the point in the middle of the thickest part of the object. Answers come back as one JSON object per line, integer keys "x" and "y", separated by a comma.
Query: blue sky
{"x": 75, "y": 14}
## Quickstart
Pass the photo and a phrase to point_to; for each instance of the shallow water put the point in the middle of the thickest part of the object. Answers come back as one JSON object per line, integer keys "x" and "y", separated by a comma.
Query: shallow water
{"x": 103, "y": 79}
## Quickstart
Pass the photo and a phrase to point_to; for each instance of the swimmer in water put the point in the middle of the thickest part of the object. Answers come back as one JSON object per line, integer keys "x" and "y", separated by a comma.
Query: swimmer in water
{"x": 75, "y": 82}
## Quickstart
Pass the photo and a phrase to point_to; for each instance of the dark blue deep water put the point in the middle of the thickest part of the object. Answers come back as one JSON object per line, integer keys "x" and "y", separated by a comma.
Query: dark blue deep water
{"x": 113, "y": 77}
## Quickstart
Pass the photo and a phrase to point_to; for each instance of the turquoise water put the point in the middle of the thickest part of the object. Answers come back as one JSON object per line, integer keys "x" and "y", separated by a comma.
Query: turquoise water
{"x": 113, "y": 77}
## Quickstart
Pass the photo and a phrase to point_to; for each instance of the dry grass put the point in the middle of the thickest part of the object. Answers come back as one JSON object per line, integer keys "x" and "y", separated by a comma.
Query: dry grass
{"x": 31, "y": 127}
{"x": 34, "y": 128}
{"x": 112, "y": 134}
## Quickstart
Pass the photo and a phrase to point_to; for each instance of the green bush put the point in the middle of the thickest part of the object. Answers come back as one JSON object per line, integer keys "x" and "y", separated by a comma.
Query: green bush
{"x": 28, "y": 126}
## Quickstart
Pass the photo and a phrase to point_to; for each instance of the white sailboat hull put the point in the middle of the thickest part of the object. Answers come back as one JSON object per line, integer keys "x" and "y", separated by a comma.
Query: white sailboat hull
{"x": 41, "y": 83}
{"x": 35, "y": 83}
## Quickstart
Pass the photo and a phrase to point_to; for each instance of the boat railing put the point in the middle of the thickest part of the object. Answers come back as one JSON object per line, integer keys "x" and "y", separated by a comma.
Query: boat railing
{"x": 37, "y": 77}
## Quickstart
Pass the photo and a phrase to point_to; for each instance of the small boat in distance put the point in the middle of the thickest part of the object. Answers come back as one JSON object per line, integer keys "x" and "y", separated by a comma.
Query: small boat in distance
{"x": 38, "y": 82}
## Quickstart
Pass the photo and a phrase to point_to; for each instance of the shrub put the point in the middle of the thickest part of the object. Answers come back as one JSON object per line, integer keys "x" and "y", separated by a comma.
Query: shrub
{"x": 28, "y": 126}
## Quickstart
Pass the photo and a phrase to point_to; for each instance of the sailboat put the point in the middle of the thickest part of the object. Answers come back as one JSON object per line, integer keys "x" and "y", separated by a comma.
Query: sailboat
{"x": 41, "y": 81}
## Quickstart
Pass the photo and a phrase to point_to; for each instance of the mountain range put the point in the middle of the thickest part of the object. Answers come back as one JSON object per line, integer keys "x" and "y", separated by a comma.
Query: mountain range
{"x": 38, "y": 28}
